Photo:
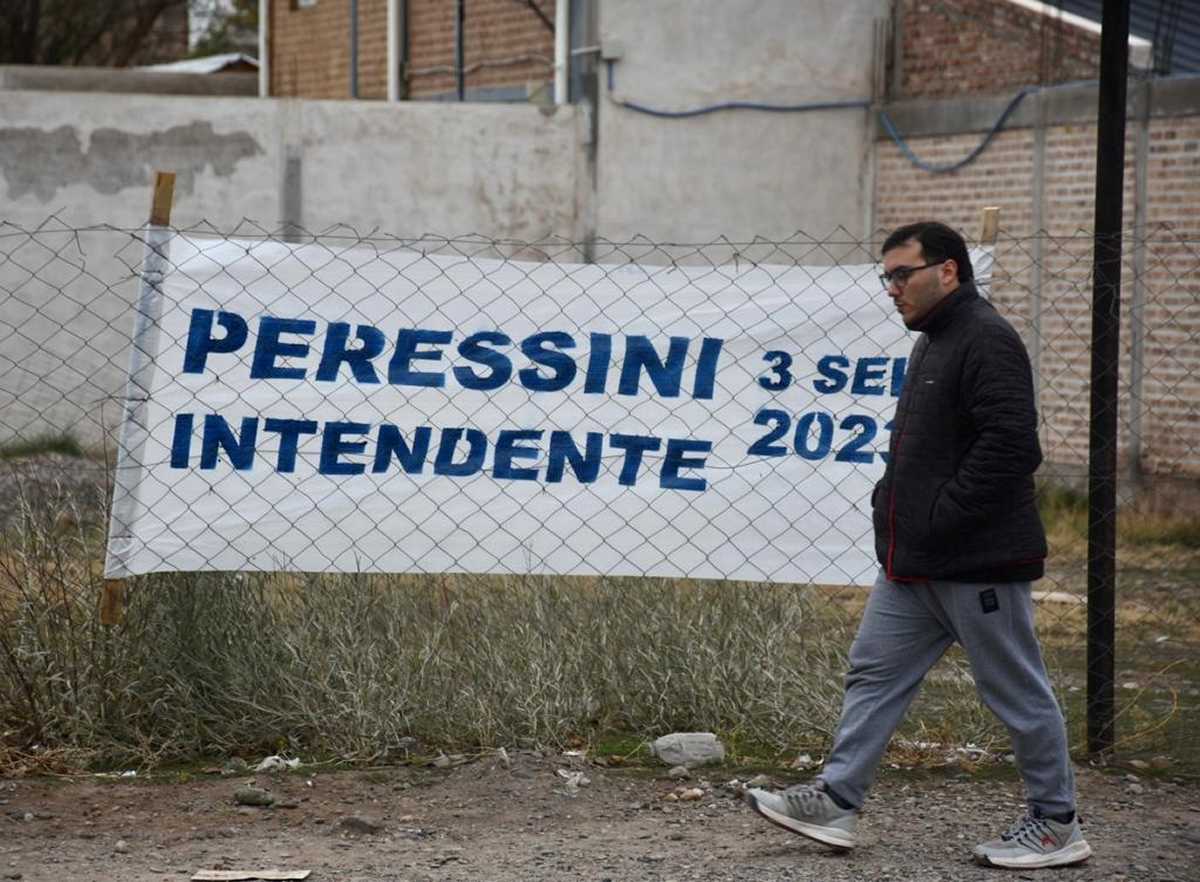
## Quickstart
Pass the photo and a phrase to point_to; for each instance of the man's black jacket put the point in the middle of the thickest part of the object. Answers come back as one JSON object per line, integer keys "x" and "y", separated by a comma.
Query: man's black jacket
{"x": 957, "y": 500}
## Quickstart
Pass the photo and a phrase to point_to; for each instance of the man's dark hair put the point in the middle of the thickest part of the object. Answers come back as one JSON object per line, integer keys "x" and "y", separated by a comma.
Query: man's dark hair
{"x": 938, "y": 242}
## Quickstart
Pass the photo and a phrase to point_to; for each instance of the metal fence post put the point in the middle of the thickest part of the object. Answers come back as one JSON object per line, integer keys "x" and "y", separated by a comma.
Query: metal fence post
{"x": 1106, "y": 351}
{"x": 460, "y": 52}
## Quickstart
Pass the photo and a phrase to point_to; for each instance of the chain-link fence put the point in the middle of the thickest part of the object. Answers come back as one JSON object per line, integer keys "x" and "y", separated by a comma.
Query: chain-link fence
{"x": 337, "y": 402}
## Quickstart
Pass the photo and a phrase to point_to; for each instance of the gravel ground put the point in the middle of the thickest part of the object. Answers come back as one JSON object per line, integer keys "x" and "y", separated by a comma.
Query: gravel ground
{"x": 521, "y": 821}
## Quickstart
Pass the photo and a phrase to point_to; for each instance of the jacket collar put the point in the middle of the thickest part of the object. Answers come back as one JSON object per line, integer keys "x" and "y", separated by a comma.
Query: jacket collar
{"x": 947, "y": 308}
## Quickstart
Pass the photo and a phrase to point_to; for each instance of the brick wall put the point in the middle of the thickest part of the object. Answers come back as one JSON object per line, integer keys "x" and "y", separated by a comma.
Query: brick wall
{"x": 372, "y": 49}
{"x": 1066, "y": 291}
{"x": 1172, "y": 296}
{"x": 970, "y": 47}
{"x": 1058, "y": 266}
{"x": 1000, "y": 177}
{"x": 309, "y": 52}
{"x": 505, "y": 46}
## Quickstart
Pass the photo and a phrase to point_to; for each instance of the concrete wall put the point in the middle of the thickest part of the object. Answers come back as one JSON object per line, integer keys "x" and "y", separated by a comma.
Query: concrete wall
{"x": 500, "y": 170}
{"x": 71, "y": 160}
{"x": 745, "y": 172}
{"x": 40, "y": 77}
{"x": 506, "y": 171}
{"x": 736, "y": 174}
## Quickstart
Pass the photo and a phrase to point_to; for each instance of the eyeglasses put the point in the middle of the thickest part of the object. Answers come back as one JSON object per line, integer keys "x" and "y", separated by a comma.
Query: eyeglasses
{"x": 901, "y": 274}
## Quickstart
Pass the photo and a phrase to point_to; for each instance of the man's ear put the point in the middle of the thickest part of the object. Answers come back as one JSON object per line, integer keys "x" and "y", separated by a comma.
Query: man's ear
{"x": 948, "y": 274}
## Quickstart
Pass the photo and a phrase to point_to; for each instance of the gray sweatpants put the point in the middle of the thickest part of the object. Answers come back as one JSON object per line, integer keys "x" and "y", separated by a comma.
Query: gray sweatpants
{"x": 905, "y": 629}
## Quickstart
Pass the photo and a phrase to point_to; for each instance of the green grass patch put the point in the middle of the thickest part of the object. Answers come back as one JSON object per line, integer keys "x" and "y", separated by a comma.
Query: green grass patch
{"x": 1149, "y": 530}
{"x": 620, "y": 744}
{"x": 40, "y": 445}
{"x": 351, "y": 666}
{"x": 1065, "y": 514}
{"x": 343, "y": 669}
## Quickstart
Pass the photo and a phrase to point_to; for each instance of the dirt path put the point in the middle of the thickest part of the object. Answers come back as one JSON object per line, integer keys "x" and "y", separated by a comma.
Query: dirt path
{"x": 518, "y": 822}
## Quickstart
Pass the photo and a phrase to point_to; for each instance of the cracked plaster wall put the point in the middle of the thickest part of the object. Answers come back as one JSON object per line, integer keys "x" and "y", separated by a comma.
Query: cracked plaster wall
{"x": 70, "y": 161}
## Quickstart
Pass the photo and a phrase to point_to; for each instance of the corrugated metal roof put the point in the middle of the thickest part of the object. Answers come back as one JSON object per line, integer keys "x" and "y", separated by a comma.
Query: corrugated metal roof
{"x": 206, "y": 65}
{"x": 1172, "y": 25}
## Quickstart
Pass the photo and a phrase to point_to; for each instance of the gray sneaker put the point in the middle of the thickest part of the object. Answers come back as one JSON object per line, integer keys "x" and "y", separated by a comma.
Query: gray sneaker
{"x": 808, "y": 811}
{"x": 1033, "y": 842}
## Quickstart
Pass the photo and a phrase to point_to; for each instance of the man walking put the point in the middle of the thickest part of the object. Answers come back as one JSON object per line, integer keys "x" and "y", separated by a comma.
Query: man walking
{"x": 959, "y": 539}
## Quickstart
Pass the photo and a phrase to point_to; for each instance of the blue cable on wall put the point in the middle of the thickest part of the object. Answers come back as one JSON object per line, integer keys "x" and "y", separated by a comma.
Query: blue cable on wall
{"x": 740, "y": 105}
{"x": 729, "y": 105}
{"x": 890, "y": 128}
{"x": 886, "y": 120}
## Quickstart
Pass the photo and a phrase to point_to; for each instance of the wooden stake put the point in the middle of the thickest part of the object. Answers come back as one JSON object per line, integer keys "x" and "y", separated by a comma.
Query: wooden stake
{"x": 112, "y": 602}
{"x": 989, "y": 226}
{"x": 112, "y": 596}
{"x": 160, "y": 204}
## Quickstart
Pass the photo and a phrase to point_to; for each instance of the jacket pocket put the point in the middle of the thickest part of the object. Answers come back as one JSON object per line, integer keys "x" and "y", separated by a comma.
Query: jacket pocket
{"x": 936, "y": 529}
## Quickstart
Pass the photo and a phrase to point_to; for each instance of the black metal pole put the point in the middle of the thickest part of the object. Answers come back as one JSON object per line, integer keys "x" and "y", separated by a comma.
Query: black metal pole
{"x": 405, "y": 48}
{"x": 1106, "y": 326}
{"x": 460, "y": 21}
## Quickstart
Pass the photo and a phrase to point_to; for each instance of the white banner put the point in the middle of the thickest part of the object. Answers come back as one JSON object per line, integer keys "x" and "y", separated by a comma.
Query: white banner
{"x": 355, "y": 410}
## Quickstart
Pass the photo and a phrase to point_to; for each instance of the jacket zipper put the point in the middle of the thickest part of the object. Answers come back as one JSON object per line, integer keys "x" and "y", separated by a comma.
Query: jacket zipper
{"x": 892, "y": 511}
{"x": 891, "y": 573}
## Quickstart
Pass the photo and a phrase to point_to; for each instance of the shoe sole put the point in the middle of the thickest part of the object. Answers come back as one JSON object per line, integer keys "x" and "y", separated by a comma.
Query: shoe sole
{"x": 831, "y": 836}
{"x": 1075, "y": 853}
